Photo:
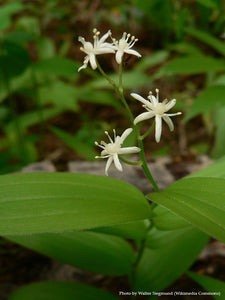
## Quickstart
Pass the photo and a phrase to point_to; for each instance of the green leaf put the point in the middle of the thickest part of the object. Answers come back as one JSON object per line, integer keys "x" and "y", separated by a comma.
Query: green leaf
{"x": 58, "y": 66}
{"x": 219, "y": 147}
{"x": 152, "y": 60}
{"x": 100, "y": 97}
{"x": 130, "y": 80}
{"x": 31, "y": 118}
{"x": 207, "y": 39}
{"x": 132, "y": 230}
{"x": 76, "y": 144}
{"x": 210, "y": 99}
{"x": 40, "y": 203}
{"x": 60, "y": 291}
{"x": 62, "y": 94}
{"x": 186, "y": 48}
{"x": 166, "y": 220}
{"x": 199, "y": 200}
{"x": 45, "y": 48}
{"x": 91, "y": 251}
{"x": 171, "y": 253}
{"x": 192, "y": 65}
{"x": 208, "y": 3}
{"x": 209, "y": 284}
{"x": 13, "y": 61}
{"x": 5, "y": 22}
{"x": 11, "y": 8}
{"x": 216, "y": 169}
{"x": 19, "y": 37}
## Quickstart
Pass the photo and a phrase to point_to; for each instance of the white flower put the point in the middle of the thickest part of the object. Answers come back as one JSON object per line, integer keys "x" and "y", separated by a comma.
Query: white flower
{"x": 123, "y": 46}
{"x": 99, "y": 47}
{"x": 157, "y": 110}
{"x": 113, "y": 149}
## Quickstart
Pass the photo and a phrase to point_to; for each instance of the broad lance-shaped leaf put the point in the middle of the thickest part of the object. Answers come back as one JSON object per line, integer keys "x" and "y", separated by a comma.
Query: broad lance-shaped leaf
{"x": 216, "y": 169}
{"x": 39, "y": 202}
{"x": 210, "y": 99}
{"x": 167, "y": 255}
{"x": 94, "y": 252}
{"x": 210, "y": 284}
{"x": 59, "y": 290}
{"x": 199, "y": 200}
{"x": 193, "y": 64}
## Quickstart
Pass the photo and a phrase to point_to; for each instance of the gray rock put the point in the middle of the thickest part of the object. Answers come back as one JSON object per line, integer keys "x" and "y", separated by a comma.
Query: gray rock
{"x": 43, "y": 166}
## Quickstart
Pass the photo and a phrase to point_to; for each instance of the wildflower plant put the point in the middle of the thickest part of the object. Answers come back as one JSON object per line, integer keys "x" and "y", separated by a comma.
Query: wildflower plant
{"x": 85, "y": 220}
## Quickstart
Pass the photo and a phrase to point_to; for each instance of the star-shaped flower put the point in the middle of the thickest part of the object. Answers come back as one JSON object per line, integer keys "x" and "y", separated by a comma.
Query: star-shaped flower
{"x": 113, "y": 149}
{"x": 123, "y": 46}
{"x": 99, "y": 47}
{"x": 157, "y": 110}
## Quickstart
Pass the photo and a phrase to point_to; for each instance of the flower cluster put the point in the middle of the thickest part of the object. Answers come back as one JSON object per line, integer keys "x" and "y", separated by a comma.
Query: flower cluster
{"x": 156, "y": 109}
{"x": 100, "y": 46}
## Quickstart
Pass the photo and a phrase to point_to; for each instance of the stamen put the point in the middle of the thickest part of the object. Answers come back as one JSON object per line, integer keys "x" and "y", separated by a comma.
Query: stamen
{"x": 81, "y": 39}
{"x": 114, "y": 132}
{"x": 95, "y": 30}
{"x": 157, "y": 94}
{"x": 106, "y": 132}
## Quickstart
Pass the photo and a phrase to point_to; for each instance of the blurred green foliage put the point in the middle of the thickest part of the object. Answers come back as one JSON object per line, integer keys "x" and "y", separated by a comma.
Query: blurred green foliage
{"x": 39, "y": 61}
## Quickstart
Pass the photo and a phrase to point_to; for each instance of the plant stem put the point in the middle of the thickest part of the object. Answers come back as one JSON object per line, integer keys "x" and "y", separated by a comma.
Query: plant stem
{"x": 139, "y": 255}
{"x": 121, "y": 77}
{"x": 119, "y": 91}
{"x": 142, "y": 137}
{"x": 138, "y": 163}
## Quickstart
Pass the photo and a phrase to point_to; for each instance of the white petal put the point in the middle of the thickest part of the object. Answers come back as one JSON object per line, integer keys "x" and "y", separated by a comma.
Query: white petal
{"x": 140, "y": 98}
{"x": 108, "y": 164}
{"x": 125, "y": 134}
{"x": 93, "y": 61}
{"x": 153, "y": 100}
{"x": 168, "y": 122}
{"x": 117, "y": 162}
{"x": 128, "y": 150}
{"x": 119, "y": 55}
{"x": 158, "y": 128}
{"x": 170, "y": 104}
{"x": 105, "y": 36}
{"x": 132, "y": 52}
{"x": 104, "y": 50}
{"x": 82, "y": 67}
{"x": 144, "y": 116}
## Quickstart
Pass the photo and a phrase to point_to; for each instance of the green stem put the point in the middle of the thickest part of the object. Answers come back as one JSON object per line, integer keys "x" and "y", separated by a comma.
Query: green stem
{"x": 139, "y": 255}
{"x": 142, "y": 137}
{"x": 140, "y": 143}
{"x": 121, "y": 77}
{"x": 138, "y": 163}
{"x": 118, "y": 91}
